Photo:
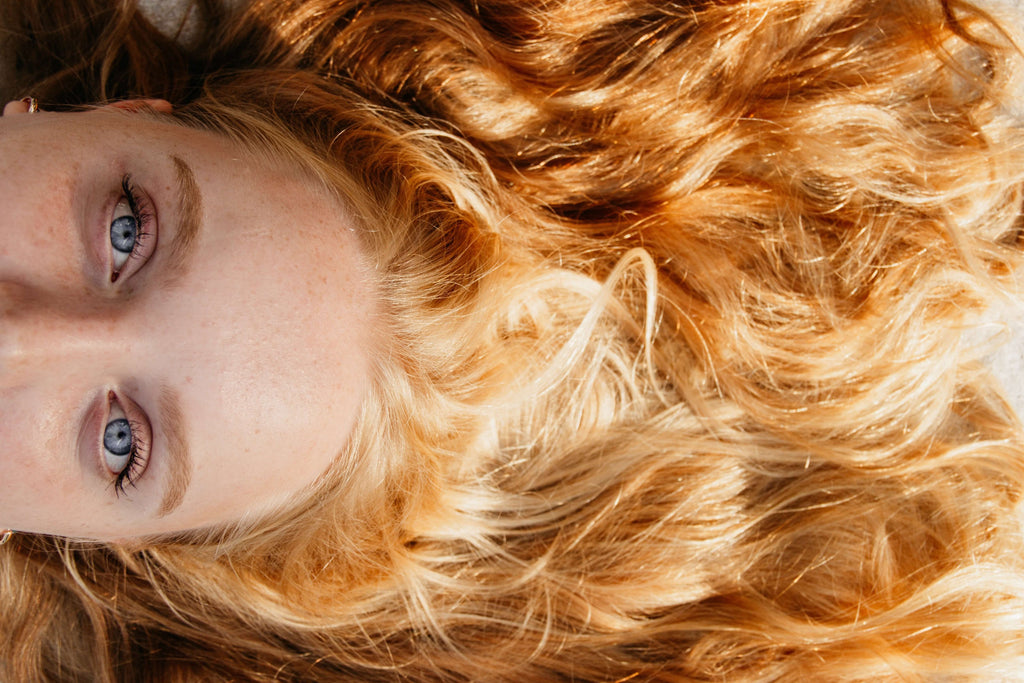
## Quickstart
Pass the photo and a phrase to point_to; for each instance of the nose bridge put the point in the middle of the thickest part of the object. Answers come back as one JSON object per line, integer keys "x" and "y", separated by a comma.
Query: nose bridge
{"x": 45, "y": 332}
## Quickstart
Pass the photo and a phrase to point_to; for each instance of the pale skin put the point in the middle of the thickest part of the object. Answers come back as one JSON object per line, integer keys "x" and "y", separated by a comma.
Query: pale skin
{"x": 253, "y": 338}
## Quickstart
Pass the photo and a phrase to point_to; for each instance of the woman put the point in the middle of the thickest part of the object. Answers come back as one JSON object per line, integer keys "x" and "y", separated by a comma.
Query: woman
{"x": 593, "y": 341}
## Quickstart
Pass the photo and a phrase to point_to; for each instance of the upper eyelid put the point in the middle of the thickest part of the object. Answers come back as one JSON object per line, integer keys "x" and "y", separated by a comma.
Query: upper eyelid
{"x": 138, "y": 202}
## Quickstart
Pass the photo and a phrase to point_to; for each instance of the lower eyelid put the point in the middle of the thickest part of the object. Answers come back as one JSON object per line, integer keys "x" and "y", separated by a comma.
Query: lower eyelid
{"x": 93, "y": 423}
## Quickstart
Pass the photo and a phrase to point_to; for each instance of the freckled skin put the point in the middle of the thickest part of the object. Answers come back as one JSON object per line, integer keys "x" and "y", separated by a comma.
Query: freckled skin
{"x": 265, "y": 338}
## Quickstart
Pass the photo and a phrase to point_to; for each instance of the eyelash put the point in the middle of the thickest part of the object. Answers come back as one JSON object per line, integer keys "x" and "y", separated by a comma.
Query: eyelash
{"x": 138, "y": 454}
{"x": 143, "y": 217}
{"x": 136, "y": 461}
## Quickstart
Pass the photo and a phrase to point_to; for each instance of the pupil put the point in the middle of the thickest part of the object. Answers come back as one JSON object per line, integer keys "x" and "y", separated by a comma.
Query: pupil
{"x": 117, "y": 437}
{"x": 122, "y": 234}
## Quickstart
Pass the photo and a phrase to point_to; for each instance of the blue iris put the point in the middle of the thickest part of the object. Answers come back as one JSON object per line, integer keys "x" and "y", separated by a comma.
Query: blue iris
{"x": 117, "y": 437}
{"x": 124, "y": 232}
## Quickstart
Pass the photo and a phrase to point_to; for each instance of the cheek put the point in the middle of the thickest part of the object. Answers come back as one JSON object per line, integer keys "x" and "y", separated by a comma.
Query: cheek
{"x": 37, "y": 227}
{"x": 40, "y": 471}
{"x": 31, "y": 432}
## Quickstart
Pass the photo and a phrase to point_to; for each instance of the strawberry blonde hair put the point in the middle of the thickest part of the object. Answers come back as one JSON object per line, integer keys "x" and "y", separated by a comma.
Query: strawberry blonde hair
{"x": 675, "y": 378}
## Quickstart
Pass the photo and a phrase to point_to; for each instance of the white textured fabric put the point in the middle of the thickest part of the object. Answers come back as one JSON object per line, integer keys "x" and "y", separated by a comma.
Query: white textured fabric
{"x": 174, "y": 18}
{"x": 1005, "y": 322}
{"x": 1005, "y": 329}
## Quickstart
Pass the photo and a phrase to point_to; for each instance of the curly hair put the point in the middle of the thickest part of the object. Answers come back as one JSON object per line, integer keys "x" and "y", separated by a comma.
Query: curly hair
{"x": 672, "y": 380}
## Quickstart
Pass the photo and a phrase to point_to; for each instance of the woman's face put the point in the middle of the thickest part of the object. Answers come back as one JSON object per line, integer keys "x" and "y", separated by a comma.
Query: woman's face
{"x": 184, "y": 329}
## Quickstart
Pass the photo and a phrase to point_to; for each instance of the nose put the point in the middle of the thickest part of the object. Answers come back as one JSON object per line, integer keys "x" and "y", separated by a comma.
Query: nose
{"x": 44, "y": 333}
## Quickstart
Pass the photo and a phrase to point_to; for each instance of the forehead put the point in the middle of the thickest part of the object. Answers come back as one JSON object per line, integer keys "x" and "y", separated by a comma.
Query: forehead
{"x": 279, "y": 344}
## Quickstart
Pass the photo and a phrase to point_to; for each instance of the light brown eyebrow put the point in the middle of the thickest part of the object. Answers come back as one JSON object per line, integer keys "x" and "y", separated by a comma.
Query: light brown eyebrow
{"x": 179, "y": 469}
{"x": 190, "y": 212}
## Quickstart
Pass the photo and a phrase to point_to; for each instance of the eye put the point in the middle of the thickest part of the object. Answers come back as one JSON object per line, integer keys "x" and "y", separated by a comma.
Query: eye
{"x": 125, "y": 446}
{"x": 124, "y": 234}
{"x": 130, "y": 232}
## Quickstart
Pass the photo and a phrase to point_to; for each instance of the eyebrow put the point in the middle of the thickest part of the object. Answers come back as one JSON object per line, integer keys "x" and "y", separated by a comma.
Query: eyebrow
{"x": 190, "y": 211}
{"x": 179, "y": 471}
